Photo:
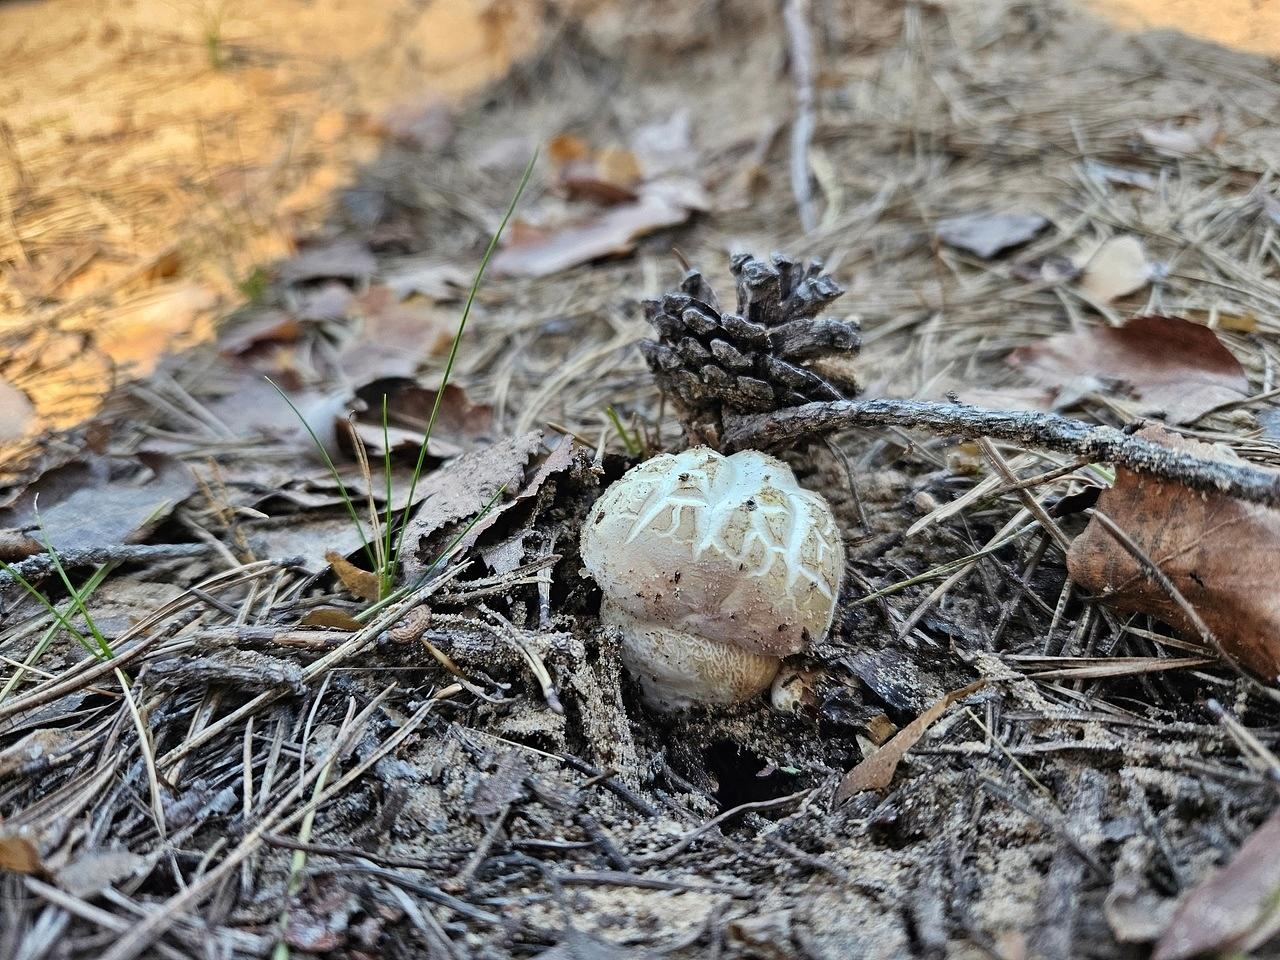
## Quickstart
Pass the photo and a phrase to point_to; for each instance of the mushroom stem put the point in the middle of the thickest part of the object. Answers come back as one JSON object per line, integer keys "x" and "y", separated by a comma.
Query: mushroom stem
{"x": 677, "y": 670}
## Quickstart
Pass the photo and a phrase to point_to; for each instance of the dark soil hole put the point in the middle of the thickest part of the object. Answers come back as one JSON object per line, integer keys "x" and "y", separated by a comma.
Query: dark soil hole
{"x": 744, "y": 776}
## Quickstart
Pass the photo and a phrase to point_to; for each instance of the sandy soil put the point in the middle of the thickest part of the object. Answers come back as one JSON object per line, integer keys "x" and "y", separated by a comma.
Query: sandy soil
{"x": 157, "y": 154}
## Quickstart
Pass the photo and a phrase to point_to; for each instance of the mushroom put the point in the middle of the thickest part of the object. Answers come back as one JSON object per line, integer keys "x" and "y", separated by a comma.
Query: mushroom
{"x": 713, "y": 568}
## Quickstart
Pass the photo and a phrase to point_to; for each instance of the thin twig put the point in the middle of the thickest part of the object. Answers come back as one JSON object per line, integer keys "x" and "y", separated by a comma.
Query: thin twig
{"x": 143, "y": 934}
{"x": 1047, "y": 431}
{"x": 41, "y": 566}
{"x": 665, "y": 854}
{"x": 800, "y": 50}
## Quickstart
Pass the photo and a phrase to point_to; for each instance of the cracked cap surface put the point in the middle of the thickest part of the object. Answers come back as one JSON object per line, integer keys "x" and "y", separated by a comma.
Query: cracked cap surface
{"x": 727, "y": 548}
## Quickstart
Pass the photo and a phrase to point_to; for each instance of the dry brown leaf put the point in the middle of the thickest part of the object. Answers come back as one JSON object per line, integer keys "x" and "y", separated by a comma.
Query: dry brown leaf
{"x": 428, "y": 278}
{"x": 618, "y": 165}
{"x": 1117, "y": 268}
{"x": 613, "y": 232}
{"x": 243, "y": 400}
{"x": 330, "y": 617}
{"x": 1173, "y": 366}
{"x": 338, "y": 260}
{"x": 986, "y": 234}
{"x": 460, "y": 426}
{"x": 329, "y": 301}
{"x": 18, "y": 854}
{"x": 565, "y": 148}
{"x": 360, "y": 582}
{"x": 606, "y": 175}
{"x": 611, "y": 177}
{"x": 461, "y": 489}
{"x": 1218, "y": 551}
{"x": 394, "y": 338}
{"x": 568, "y": 456}
{"x": 559, "y": 460}
{"x": 311, "y": 538}
{"x": 1234, "y": 909}
{"x": 264, "y": 328}
{"x": 876, "y": 771}
{"x": 90, "y": 873}
{"x": 504, "y": 786}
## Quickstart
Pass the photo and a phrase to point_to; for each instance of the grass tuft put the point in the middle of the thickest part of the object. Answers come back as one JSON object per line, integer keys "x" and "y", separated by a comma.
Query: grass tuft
{"x": 383, "y": 550}
{"x": 633, "y": 445}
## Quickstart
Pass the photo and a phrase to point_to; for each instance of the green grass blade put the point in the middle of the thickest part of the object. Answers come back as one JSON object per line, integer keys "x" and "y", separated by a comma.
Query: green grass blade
{"x": 333, "y": 471}
{"x": 388, "y": 571}
{"x": 453, "y": 350}
{"x": 52, "y": 610}
{"x": 631, "y": 443}
{"x": 42, "y": 645}
{"x": 444, "y": 554}
{"x": 104, "y": 648}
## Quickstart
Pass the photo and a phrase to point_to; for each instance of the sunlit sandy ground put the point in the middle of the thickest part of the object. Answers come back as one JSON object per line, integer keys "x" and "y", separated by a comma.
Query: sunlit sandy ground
{"x": 154, "y": 154}
{"x": 1250, "y": 25}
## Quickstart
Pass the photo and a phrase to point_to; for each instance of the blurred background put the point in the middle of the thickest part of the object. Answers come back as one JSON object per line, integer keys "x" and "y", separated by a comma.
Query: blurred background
{"x": 160, "y": 158}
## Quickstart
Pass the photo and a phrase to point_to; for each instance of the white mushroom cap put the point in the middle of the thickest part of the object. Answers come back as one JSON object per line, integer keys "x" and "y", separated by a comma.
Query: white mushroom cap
{"x": 726, "y": 549}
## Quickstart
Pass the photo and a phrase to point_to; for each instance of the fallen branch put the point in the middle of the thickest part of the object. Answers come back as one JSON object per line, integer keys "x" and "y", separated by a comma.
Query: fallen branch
{"x": 41, "y": 566}
{"x": 1046, "y": 431}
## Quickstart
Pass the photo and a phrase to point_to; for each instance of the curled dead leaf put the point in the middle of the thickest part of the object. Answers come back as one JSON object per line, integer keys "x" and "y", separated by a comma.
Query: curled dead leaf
{"x": 559, "y": 460}
{"x": 986, "y": 234}
{"x": 248, "y": 334}
{"x": 1116, "y": 269}
{"x": 360, "y": 582}
{"x": 346, "y": 259}
{"x": 460, "y": 490}
{"x": 876, "y": 771}
{"x": 613, "y": 232}
{"x": 19, "y": 855}
{"x": 1172, "y": 366}
{"x": 332, "y": 618}
{"x": 461, "y": 425}
{"x": 1217, "y": 551}
{"x": 1233, "y": 910}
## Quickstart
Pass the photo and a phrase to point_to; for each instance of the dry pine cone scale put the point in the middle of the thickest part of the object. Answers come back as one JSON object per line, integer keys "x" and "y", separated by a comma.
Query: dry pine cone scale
{"x": 774, "y": 351}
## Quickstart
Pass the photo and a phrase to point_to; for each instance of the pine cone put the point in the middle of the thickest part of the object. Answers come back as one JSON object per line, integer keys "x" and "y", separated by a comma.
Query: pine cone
{"x": 773, "y": 352}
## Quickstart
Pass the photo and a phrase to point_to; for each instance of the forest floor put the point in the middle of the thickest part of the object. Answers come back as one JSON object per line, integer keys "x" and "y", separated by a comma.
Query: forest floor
{"x": 258, "y": 750}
